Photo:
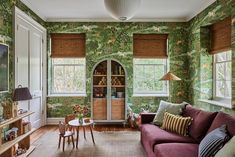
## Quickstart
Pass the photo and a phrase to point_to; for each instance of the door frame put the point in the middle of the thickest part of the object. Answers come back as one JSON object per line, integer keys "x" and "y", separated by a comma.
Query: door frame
{"x": 22, "y": 15}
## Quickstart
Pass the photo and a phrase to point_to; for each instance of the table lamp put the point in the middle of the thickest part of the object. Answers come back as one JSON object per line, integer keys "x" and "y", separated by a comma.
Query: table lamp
{"x": 20, "y": 94}
{"x": 170, "y": 77}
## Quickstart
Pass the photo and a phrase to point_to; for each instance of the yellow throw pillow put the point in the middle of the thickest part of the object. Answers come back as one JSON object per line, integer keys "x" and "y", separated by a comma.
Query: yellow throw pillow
{"x": 176, "y": 123}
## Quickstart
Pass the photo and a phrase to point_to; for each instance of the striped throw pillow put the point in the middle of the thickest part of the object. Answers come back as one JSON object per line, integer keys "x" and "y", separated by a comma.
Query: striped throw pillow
{"x": 176, "y": 123}
{"x": 213, "y": 142}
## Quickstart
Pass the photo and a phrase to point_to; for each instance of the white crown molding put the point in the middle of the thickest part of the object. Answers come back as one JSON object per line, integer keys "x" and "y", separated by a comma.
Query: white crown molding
{"x": 206, "y": 4}
{"x": 34, "y": 9}
{"x": 113, "y": 20}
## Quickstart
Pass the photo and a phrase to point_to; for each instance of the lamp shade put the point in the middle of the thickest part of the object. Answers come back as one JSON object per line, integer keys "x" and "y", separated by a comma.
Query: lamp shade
{"x": 21, "y": 93}
{"x": 170, "y": 77}
{"x": 122, "y": 9}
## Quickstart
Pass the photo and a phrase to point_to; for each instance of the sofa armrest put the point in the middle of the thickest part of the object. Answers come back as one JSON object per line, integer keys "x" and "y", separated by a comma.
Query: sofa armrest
{"x": 147, "y": 117}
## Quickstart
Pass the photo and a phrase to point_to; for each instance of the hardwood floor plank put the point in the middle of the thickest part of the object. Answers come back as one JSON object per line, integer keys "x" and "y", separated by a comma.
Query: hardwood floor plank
{"x": 54, "y": 128}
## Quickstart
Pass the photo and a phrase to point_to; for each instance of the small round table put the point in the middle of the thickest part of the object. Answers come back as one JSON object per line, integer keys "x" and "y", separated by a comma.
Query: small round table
{"x": 75, "y": 123}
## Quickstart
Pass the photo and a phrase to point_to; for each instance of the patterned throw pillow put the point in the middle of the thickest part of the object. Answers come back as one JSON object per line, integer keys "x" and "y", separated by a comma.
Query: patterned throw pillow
{"x": 176, "y": 123}
{"x": 164, "y": 106}
{"x": 213, "y": 142}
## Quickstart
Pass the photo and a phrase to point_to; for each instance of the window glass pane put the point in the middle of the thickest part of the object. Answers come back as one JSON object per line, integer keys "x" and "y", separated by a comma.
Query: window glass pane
{"x": 221, "y": 57}
{"x": 139, "y": 70}
{"x": 228, "y": 88}
{"x": 68, "y": 75}
{"x": 58, "y": 73}
{"x": 223, "y": 69}
{"x": 220, "y": 88}
{"x": 79, "y": 72}
{"x": 159, "y": 85}
{"x": 147, "y": 73}
{"x": 229, "y": 55}
{"x": 160, "y": 71}
{"x": 69, "y": 85}
{"x": 220, "y": 71}
{"x": 228, "y": 71}
{"x": 149, "y": 80}
{"x": 225, "y": 56}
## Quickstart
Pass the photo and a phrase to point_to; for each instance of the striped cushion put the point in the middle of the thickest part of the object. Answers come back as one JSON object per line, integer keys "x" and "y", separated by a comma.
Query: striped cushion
{"x": 213, "y": 142}
{"x": 176, "y": 123}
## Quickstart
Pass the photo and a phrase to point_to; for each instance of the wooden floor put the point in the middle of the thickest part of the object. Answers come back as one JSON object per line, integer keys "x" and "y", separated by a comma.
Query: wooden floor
{"x": 53, "y": 128}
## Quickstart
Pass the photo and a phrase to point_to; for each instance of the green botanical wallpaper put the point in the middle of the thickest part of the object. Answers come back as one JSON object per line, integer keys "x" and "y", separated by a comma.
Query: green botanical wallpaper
{"x": 188, "y": 54}
{"x": 114, "y": 40}
{"x": 6, "y": 33}
{"x": 200, "y": 62}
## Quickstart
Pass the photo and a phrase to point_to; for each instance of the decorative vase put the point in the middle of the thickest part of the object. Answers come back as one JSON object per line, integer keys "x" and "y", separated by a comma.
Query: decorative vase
{"x": 9, "y": 109}
{"x": 80, "y": 119}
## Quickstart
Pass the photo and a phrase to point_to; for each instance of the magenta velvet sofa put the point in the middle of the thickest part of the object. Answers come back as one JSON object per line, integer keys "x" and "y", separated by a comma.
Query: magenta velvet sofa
{"x": 160, "y": 143}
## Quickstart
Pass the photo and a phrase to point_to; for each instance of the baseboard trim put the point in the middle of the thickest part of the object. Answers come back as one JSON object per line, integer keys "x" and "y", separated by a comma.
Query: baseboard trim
{"x": 54, "y": 121}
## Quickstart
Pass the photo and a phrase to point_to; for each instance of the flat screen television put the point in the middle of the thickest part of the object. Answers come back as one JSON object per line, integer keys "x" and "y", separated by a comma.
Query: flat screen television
{"x": 4, "y": 68}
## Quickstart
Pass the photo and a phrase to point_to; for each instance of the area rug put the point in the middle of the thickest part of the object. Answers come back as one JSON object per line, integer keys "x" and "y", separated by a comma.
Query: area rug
{"x": 108, "y": 144}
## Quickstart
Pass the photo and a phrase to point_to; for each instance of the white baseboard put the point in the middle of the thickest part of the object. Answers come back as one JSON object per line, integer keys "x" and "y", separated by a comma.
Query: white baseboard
{"x": 54, "y": 121}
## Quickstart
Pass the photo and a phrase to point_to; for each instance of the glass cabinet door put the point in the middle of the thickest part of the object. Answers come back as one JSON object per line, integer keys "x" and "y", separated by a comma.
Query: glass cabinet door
{"x": 100, "y": 91}
{"x": 117, "y": 91}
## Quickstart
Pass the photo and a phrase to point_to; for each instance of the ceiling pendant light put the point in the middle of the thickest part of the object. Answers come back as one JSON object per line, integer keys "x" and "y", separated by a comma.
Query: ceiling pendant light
{"x": 122, "y": 9}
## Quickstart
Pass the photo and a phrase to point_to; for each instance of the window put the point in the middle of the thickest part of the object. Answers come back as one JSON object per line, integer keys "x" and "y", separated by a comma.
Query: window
{"x": 68, "y": 76}
{"x": 147, "y": 73}
{"x": 222, "y": 75}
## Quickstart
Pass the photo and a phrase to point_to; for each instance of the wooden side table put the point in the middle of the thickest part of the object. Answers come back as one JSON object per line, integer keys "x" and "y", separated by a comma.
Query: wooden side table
{"x": 75, "y": 123}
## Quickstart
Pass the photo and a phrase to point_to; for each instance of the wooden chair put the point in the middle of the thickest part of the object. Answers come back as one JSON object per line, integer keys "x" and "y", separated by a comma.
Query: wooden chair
{"x": 63, "y": 134}
{"x": 69, "y": 118}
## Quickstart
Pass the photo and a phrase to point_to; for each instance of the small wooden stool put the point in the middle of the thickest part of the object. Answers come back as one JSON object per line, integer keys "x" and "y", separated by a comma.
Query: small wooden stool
{"x": 63, "y": 134}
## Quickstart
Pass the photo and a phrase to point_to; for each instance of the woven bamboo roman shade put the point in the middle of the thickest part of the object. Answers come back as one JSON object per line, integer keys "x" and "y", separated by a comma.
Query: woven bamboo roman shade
{"x": 221, "y": 36}
{"x": 67, "y": 45}
{"x": 150, "y": 45}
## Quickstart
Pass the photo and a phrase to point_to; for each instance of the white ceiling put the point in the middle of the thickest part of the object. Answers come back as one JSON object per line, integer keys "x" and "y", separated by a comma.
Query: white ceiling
{"x": 94, "y": 10}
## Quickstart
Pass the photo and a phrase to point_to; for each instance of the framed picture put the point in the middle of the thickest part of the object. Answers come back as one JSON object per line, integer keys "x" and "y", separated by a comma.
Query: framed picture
{"x": 4, "y": 68}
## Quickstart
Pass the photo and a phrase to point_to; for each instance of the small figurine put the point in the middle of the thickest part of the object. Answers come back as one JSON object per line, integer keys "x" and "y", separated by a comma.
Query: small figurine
{"x": 21, "y": 111}
{"x": 11, "y": 134}
{"x": 20, "y": 151}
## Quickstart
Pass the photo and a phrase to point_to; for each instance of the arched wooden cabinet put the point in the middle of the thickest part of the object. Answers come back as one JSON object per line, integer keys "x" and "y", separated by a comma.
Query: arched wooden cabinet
{"x": 109, "y": 92}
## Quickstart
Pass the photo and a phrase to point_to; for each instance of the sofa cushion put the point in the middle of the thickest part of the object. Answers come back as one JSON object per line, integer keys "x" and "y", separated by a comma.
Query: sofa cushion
{"x": 167, "y": 107}
{"x": 176, "y": 150}
{"x": 152, "y": 134}
{"x": 176, "y": 123}
{"x": 223, "y": 118}
{"x": 201, "y": 121}
{"x": 213, "y": 142}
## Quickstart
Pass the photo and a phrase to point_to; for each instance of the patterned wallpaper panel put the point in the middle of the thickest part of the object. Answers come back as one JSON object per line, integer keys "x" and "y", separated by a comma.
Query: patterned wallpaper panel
{"x": 114, "y": 40}
{"x": 200, "y": 62}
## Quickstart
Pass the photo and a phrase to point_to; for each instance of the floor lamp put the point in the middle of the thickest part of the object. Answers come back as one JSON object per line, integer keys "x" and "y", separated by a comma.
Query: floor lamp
{"x": 170, "y": 77}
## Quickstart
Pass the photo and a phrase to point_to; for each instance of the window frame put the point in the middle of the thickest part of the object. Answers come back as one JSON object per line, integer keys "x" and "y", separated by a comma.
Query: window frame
{"x": 165, "y": 92}
{"x": 64, "y": 93}
{"x": 222, "y": 101}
